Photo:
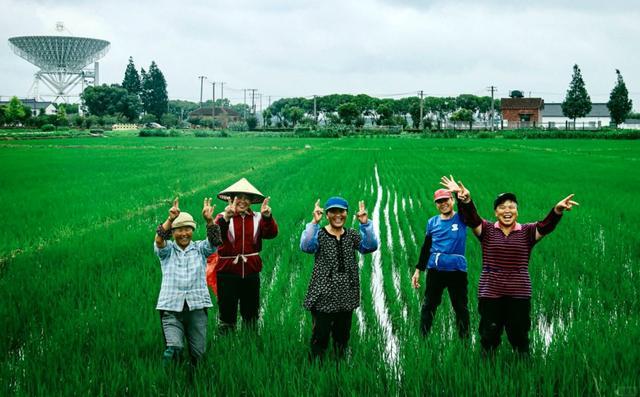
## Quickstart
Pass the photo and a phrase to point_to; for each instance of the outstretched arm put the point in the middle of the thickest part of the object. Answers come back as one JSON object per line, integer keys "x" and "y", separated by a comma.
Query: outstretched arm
{"x": 548, "y": 224}
{"x": 309, "y": 238}
{"x": 163, "y": 233}
{"x": 467, "y": 208}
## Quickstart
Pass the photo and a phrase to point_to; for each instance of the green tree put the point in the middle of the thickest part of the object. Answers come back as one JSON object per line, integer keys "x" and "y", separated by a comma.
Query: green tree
{"x": 348, "y": 112}
{"x": 266, "y": 117}
{"x": 15, "y": 111}
{"x": 111, "y": 100}
{"x": 385, "y": 114}
{"x": 462, "y": 115}
{"x": 577, "y": 103}
{"x": 3, "y": 118}
{"x": 293, "y": 114}
{"x": 154, "y": 91}
{"x": 61, "y": 117}
{"x": 252, "y": 122}
{"x": 169, "y": 120}
{"x": 131, "y": 81}
{"x": 619, "y": 103}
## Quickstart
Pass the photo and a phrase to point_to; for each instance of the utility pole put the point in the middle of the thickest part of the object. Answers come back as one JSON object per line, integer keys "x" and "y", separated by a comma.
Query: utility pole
{"x": 269, "y": 100}
{"x": 222, "y": 93}
{"x": 201, "y": 83}
{"x": 244, "y": 108}
{"x": 213, "y": 107}
{"x": 493, "y": 89}
{"x": 253, "y": 100}
{"x": 421, "y": 124}
{"x": 315, "y": 109}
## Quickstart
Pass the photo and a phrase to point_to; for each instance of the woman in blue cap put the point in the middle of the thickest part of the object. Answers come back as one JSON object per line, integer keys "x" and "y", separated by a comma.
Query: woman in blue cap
{"x": 334, "y": 289}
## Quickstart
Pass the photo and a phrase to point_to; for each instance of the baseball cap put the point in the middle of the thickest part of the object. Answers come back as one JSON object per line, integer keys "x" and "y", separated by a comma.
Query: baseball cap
{"x": 336, "y": 202}
{"x": 440, "y": 194}
{"x": 502, "y": 197}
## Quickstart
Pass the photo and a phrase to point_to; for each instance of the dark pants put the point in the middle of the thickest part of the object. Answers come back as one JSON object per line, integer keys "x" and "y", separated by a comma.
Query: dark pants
{"x": 456, "y": 283}
{"x": 233, "y": 289}
{"x": 512, "y": 314}
{"x": 336, "y": 325}
{"x": 177, "y": 325}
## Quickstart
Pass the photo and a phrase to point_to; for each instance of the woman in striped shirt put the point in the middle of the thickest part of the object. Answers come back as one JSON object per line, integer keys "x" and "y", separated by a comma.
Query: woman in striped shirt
{"x": 504, "y": 292}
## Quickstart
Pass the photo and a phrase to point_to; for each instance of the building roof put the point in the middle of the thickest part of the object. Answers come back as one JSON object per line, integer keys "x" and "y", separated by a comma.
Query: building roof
{"x": 219, "y": 111}
{"x": 521, "y": 103}
{"x": 32, "y": 103}
{"x": 555, "y": 110}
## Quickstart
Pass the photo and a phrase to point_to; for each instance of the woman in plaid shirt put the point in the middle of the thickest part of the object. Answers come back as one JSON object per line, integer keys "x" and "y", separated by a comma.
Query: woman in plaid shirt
{"x": 184, "y": 297}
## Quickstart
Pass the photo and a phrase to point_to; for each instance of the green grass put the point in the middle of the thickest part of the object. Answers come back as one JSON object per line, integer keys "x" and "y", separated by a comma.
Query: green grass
{"x": 79, "y": 281}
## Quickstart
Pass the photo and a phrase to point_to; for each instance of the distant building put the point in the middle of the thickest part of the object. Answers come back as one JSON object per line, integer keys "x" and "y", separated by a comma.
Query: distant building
{"x": 630, "y": 124}
{"x": 223, "y": 115}
{"x": 35, "y": 106}
{"x": 522, "y": 112}
{"x": 599, "y": 116}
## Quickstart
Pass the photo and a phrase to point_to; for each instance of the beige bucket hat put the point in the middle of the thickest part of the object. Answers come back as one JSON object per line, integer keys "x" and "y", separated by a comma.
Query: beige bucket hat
{"x": 242, "y": 186}
{"x": 183, "y": 219}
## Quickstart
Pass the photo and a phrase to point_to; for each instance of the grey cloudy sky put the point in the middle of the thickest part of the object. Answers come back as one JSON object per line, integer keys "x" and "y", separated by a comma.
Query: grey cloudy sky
{"x": 378, "y": 47}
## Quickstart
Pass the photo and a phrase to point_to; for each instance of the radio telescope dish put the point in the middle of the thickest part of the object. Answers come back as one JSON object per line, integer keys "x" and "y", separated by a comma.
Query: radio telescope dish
{"x": 62, "y": 60}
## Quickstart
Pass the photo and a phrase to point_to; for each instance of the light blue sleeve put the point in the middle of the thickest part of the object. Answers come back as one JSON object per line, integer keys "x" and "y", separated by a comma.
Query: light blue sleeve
{"x": 369, "y": 242}
{"x": 163, "y": 253}
{"x": 205, "y": 248}
{"x": 309, "y": 238}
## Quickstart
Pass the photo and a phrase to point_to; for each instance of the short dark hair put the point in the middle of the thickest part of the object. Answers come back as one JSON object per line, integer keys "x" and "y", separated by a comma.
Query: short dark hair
{"x": 502, "y": 197}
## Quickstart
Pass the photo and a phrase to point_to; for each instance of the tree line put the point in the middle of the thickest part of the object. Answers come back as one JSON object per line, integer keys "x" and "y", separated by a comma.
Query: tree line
{"x": 352, "y": 110}
{"x": 142, "y": 97}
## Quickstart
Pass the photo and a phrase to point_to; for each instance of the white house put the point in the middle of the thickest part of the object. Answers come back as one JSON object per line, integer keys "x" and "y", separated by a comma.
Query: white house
{"x": 35, "y": 106}
{"x": 599, "y": 116}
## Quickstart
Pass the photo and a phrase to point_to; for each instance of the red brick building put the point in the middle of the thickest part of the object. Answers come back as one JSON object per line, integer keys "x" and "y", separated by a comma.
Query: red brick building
{"x": 522, "y": 111}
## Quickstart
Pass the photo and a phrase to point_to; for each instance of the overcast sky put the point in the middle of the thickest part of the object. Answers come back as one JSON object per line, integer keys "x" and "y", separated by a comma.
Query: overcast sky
{"x": 382, "y": 48}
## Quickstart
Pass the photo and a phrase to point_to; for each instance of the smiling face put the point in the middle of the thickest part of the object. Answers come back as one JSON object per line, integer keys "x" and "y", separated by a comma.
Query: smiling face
{"x": 507, "y": 213}
{"x": 182, "y": 236}
{"x": 243, "y": 204}
{"x": 336, "y": 217}
{"x": 445, "y": 206}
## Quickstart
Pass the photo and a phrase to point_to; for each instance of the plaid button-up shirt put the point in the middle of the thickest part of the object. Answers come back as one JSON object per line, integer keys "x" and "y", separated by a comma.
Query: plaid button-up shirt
{"x": 183, "y": 275}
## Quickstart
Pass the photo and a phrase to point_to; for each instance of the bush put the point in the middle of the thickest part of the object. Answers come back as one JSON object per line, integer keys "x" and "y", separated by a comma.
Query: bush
{"x": 252, "y": 122}
{"x": 96, "y": 131}
{"x": 210, "y": 134}
{"x": 149, "y": 132}
{"x": 48, "y": 127}
{"x": 174, "y": 133}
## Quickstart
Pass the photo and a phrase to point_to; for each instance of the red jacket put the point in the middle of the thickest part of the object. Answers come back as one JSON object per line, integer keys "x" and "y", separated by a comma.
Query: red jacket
{"x": 242, "y": 242}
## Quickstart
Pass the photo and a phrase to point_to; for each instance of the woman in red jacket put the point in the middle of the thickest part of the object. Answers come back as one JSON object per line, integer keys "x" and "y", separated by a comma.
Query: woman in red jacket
{"x": 239, "y": 264}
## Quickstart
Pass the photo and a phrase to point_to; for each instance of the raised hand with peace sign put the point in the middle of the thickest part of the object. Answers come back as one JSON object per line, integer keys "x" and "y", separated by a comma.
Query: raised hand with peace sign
{"x": 230, "y": 209}
{"x": 174, "y": 211}
{"x": 207, "y": 210}
{"x": 317, "y": 212}
{"x": 265, "y": 210}
{"x": 362, "y": 214}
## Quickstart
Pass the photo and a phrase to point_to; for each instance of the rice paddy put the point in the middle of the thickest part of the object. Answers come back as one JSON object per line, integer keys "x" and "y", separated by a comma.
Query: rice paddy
{"x": 79, "y": 280}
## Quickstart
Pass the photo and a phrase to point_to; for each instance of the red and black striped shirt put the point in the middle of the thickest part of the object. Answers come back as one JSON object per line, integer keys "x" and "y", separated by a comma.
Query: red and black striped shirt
{"x": 505, "y": 260}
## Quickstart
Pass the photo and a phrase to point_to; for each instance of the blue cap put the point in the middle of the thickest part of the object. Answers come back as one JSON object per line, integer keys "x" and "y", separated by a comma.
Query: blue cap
{"x": 336, "y": 202}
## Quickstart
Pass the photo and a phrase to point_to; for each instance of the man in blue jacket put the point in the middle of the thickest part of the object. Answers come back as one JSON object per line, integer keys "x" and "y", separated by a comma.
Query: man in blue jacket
{"x": 443, "y": 255}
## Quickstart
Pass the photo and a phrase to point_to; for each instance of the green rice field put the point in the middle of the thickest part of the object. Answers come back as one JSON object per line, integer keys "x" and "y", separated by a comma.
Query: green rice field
{"x": 79, "y": 279}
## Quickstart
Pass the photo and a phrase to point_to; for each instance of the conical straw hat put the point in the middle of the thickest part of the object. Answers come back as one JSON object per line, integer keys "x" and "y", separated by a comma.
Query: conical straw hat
{"x": 242, "y": 186}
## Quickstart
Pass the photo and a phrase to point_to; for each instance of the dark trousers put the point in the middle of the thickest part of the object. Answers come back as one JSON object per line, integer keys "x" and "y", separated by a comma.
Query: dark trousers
{"x": 336, "y": 325}
{"x": 512, "y": 314}
{"x": 456, "y": 282}
{"x": 234, "y": 290}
